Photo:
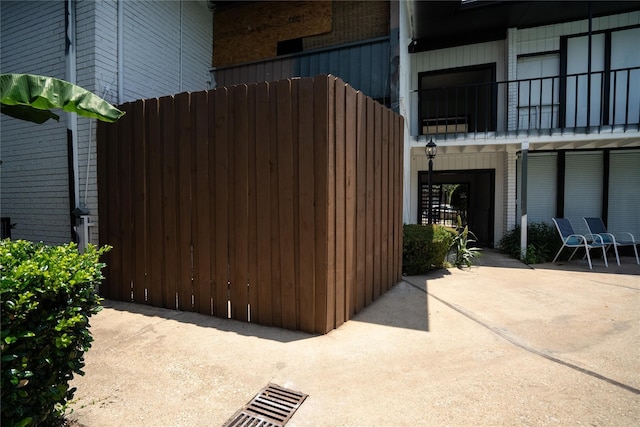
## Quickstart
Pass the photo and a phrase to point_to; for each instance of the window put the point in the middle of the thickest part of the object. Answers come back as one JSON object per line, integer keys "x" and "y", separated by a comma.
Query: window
{"x": 458, "y": 100}
{"x": 538, "y": 91}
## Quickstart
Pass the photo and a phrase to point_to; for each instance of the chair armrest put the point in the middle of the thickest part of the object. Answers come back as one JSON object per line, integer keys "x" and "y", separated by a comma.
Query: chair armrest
{"x": 630, "y": 238}
{"x": 609, "y": 235}
{"x": 581, "y": 239}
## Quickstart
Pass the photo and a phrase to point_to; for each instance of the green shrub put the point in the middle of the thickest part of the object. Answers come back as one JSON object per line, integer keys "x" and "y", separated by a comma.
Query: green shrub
{"x": 424, "y": 247}
{"x": 542, "y": 243}
{"x": 48, "y": 295}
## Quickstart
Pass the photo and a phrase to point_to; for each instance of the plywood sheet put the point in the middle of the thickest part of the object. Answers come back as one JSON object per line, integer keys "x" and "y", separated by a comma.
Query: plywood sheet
{"x": 251, "y": 31}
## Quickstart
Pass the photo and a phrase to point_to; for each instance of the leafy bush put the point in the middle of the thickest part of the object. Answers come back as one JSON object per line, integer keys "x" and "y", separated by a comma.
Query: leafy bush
{"x": 542, "y": 243}
{"x": 425, "y": 247}
{"x": 47, "y": 298}
{"x": 463, "y": 254}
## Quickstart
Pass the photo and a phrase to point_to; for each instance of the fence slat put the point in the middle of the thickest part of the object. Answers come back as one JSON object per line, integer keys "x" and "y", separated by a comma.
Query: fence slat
{"x": 377, "y": 200}
{"x": 320, "y": 161}
{"x": 276, "y": 272}
{"x": 169, "y": 201}
{"x": 253, "y": 210}
{"x": 201, "y": 226}
{"x": 369, "y": 231}
{"x": 331, "y": 206}
{"x": 361, "y": 200}
{"x": 339, "y": 197}
{"x": 306, "y": 211}
{"x": 238, "y": 201}
{"x": 295, "y": 141}
{"x": 184, "y": 151}
{"x": 285, "y": 211}
{"x": 138, "y": 146}
{"x": 155, "y": 235}
{"x": 126, "y": 220}
{"x": 387, "y": 197}
{"x": 350, "y": 201}
{"x": 220, "y": 204}
{"x": 262, "y": 313}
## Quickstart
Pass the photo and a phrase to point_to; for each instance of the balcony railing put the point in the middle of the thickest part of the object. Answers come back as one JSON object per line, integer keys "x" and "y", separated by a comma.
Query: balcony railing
{"x": 572, "y": 104}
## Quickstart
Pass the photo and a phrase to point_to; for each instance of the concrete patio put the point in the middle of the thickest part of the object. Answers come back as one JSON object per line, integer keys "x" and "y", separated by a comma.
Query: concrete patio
{"x": 498, "y": 344}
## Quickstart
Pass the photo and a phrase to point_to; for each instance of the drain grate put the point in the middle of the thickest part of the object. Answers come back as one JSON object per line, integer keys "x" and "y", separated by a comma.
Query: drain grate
{"x": 273, "y": 406}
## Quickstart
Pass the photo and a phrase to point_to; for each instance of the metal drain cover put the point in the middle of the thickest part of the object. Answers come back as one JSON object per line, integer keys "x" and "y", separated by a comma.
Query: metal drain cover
{"x": 273, "y": 406}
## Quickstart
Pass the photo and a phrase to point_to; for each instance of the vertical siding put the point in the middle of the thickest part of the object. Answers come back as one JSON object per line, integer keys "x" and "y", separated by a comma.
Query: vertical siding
{"x": 167, "y": 47}
{"x": 35, "y": 192}
{"x": 363, "y": 66}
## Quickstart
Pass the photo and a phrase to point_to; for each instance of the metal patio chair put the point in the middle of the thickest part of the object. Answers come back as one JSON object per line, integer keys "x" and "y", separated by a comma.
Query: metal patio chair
{"x": 596, "y": 227}
{"x": 577, "y": 241}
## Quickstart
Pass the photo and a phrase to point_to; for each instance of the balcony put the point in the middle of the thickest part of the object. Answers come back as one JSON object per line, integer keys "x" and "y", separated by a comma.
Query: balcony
{"x": 573, "y": 104}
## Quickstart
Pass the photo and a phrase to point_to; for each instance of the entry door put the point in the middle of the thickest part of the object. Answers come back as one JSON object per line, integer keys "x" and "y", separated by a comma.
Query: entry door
{"x": 469, "y": 194}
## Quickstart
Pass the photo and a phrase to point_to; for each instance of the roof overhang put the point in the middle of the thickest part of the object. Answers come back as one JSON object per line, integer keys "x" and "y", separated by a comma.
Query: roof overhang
{"x": 441, "y": 24}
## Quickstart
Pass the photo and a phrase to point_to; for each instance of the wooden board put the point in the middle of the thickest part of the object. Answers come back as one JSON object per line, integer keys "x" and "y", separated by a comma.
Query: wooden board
{"x": 237, "y": 28}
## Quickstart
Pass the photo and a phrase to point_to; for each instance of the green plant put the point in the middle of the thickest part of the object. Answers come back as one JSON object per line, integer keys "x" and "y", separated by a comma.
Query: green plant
{"x": 424, "y": 247}
{"x": 542, "y": 243}
{"x": 31, "y": 97}
{"x": 48, "y": 295}
{"x": 463, "y": 254}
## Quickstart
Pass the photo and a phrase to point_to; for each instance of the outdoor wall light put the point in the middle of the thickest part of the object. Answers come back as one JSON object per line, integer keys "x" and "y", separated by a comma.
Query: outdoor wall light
{"x": 431, "y": 149}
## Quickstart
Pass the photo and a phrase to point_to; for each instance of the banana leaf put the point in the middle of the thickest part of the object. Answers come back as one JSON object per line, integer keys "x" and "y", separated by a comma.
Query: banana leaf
{"x": 31, "y": 97}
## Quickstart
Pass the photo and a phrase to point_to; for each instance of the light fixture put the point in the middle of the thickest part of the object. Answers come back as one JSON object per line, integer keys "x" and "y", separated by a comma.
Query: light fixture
{"x": 431, "y": 149}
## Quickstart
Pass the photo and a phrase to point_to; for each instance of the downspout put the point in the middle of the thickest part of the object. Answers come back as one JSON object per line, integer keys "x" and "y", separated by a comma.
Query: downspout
{"x": 589, "y": 71}
{"x": 120, "y": 52}
{"x": 72, "y": 119}
{"x": 523, "y": 201}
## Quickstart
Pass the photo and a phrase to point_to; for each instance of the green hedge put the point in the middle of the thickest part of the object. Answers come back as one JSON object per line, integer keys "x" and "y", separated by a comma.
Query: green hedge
{"x": 425, "y": 247}
{"x": 48, "y": 294}
{"x": 543, "y": 242}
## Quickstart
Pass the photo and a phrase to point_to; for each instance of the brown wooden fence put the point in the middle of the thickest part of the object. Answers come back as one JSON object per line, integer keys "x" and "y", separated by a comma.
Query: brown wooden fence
{"x": 277, "y": 203}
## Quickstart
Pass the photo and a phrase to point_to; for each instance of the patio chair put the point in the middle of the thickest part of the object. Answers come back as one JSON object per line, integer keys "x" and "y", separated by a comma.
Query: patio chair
{"x": 577, "y": 241}
{"x": 596, "y": 226}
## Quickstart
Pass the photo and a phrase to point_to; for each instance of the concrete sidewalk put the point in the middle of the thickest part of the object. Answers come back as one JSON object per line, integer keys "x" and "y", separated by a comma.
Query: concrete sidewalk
{"x": 498, "y": 344}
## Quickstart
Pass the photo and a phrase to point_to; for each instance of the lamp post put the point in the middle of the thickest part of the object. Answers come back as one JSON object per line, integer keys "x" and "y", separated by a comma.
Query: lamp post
{"x": 431, "y": 149}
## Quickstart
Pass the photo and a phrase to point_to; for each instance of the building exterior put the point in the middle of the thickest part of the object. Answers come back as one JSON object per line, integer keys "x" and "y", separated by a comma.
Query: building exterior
{"x": 534, "y": 106}
{"x": 492, "y": 84}
{"x": 120, "y": 50}
{"x": 552, "y": 88}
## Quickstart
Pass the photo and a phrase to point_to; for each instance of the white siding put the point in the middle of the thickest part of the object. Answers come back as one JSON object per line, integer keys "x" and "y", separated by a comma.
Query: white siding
{"x": 34, "y": 181}
{"x": 154, "y": 33}
{"x": 454, "y": 57}
{"x": 583, "y": 188}
{"x": 33, "y": 178}
{"x": 541, "y": 187}
{"x": 624, "y": 184}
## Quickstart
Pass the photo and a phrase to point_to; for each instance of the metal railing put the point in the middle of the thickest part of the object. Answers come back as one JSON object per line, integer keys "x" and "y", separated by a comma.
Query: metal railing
{"x": 604, "y": 101}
